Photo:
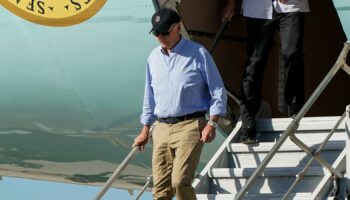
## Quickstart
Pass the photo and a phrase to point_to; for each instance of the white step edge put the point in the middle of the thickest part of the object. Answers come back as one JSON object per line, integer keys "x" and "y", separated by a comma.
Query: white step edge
{"x": 268, "y": 172}
{"x": 286, "y": 147}
{"x": 307, "y": 123}
{"x": 296, "y": 196}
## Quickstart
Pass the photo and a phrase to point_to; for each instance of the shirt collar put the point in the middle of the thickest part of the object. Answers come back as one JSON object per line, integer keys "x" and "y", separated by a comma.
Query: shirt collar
{"x": 177, "y": 47}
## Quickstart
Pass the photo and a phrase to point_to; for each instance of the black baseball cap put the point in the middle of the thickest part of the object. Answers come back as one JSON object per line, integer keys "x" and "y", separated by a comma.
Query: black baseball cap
{"x": 163, "y": 19}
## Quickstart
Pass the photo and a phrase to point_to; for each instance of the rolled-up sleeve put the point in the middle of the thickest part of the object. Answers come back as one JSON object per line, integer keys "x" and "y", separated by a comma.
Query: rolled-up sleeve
{"x": 147, "y": 116}
{"x": 215, "y": 85}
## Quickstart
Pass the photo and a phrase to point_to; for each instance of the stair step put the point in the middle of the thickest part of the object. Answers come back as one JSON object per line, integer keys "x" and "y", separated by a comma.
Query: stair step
{"x": 307, "y": 123}
{"x": 273, "y": 180}
{"x": 286, "y": 147}
{"x": 280, "y": 159}
{"x": 274, "y": 196}
{"x": 242, "y": 155}
{"x": 263, "y": 185}
{"x": 311, "y": 137}
{"x": 268, "y": 172}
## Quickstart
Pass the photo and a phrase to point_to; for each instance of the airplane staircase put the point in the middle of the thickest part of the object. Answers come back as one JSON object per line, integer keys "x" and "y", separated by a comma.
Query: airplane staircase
{"x": 234, "y": 163}
{"x": 299, "y": 158}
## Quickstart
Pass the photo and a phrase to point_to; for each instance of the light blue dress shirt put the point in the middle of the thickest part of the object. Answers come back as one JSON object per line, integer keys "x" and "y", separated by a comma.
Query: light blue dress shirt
{"x": 183, "y": 82}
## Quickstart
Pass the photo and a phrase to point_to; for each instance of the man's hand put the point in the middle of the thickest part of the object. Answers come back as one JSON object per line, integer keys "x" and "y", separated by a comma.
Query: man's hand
{"x": 283, "y": 1}
{"x": 208, "y": 134}
{"x": 229, "y": 10}
{"x": 141, "y": 140}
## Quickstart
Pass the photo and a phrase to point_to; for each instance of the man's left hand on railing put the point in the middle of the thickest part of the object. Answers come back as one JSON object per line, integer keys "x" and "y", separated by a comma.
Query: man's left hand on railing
{"x": 141, "y": 140}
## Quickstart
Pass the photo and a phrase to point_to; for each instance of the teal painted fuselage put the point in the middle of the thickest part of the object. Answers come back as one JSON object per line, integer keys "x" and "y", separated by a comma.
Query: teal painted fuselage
{"x": 71, "y": 96}
{"x": 343, "y": 10}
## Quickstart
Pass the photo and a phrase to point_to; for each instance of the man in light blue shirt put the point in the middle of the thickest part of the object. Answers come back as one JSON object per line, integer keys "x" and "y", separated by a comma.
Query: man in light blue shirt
{"x": 182, "y": 85}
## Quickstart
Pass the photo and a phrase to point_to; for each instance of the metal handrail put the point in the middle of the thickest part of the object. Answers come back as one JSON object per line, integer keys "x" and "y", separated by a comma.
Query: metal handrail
{"x": 317, "y": 152}
{"x": 218, "y": 35}
{"x": 289, "y": 132}
{"x": 320, "y": 160}
{"x": 149, "y": 181}
{"x": 348, "y": 118}
{"x": 119, "y": 170}
{"x": 212, "y": 47}
{"x": 156, "y": 4}
{"x": 116, "y": 173}
{"x": 232, "y": 96}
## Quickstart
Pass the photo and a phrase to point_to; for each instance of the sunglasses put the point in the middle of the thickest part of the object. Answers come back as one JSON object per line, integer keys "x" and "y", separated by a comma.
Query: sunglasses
{"x": 163, "y": 33}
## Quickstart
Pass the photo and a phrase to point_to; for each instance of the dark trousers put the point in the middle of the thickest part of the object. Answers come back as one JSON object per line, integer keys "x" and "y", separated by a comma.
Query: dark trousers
{"x": 260, "y": 40}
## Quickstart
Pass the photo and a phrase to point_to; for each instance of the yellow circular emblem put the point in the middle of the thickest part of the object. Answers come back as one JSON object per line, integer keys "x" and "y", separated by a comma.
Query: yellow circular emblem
{"x": 54, "y": 12}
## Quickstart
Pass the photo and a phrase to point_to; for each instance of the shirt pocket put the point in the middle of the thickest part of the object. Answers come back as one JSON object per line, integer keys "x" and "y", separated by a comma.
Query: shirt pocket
{"x": 192, "y": 90}
{"x": 159, "y": 87}
{"x": 192, "y": 79}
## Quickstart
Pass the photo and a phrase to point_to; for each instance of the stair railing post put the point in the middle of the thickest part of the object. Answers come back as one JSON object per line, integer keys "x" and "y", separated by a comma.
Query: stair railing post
{"x": 315, "y": 155}
{"x": 116, "y": 173}
{"x": 149, "y": 182}
{"x": 347, "y": 130}
{"x": 301, "y": 174}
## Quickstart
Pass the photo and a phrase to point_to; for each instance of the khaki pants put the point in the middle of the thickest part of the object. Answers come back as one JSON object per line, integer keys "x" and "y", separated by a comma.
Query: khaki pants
{"x": 176, "y": 153}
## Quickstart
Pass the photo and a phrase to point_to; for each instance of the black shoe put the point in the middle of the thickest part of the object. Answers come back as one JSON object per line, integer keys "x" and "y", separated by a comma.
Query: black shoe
{"x": 249, "y": 141}
{"x": 248, "y": 134}
{"x": 293, "y": 110}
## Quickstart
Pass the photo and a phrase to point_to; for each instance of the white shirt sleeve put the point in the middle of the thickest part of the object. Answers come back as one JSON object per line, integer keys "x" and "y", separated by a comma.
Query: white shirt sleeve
{"x": 263, "y": 9}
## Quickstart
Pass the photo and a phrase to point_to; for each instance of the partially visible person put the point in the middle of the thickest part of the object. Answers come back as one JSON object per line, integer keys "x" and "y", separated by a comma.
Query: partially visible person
{"x": 182, "y": 85}
{"x": 263, "y": 18}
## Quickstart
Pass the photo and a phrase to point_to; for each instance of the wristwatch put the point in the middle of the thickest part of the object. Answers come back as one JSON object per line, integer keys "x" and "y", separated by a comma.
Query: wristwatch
{"x": 213, "y": 124}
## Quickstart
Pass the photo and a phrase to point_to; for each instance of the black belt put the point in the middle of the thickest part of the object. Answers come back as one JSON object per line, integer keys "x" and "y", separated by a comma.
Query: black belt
{"x": 174, "y": 120}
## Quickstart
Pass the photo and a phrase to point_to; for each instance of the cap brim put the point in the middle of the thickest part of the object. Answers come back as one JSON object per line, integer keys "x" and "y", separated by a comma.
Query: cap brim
{"x": 160, "y": 28}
